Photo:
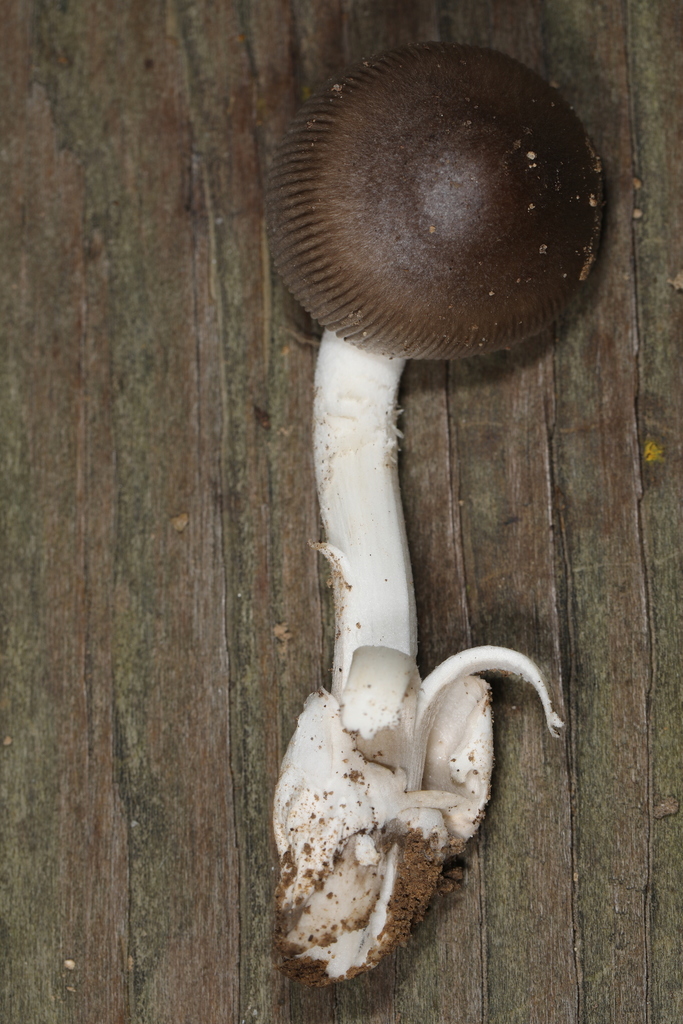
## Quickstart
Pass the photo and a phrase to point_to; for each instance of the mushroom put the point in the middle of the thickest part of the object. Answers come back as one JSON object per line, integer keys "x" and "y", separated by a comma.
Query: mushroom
{"x": 431, "y": 202}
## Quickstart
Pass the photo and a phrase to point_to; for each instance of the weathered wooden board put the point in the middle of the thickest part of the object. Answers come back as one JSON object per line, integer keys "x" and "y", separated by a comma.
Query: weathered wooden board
{"x": 162, "y": 616}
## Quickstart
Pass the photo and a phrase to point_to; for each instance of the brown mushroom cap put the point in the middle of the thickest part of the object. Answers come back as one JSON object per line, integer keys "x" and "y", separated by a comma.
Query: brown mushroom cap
{"x": 435, "y": 201}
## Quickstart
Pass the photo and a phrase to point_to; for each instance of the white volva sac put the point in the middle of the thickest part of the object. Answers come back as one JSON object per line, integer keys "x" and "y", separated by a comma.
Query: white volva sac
{"x": 386, "y": 776}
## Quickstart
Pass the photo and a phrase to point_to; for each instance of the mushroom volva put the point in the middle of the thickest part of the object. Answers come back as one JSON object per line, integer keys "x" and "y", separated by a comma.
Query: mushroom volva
{"x": 435, "y": 201}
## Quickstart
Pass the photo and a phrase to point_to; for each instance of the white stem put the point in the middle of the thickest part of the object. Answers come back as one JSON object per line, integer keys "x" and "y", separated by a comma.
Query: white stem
{"x": 355, "y": 447}
{"x": 381, "y": 760}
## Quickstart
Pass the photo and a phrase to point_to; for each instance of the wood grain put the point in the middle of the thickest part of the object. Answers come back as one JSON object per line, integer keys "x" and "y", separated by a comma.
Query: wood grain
{"x": 162, "y": 615}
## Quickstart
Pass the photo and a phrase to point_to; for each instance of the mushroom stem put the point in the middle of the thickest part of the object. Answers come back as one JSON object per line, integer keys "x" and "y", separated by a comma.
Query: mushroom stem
{"x": 386, "y": 777}
{"x": 355, "y": 445}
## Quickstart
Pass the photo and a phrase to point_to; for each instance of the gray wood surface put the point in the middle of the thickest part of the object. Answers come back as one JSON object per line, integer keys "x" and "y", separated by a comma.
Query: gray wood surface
{"x": 162, "y": 616}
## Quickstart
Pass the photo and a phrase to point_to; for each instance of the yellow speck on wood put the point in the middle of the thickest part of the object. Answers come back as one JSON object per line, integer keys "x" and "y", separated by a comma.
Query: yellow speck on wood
{"x": 179, "y": 522}
{"x": 7, "y": 742}
{"x": 653, "y": 452}
{"x": 677, "y": 281}
{"x": 70, "y": 965}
